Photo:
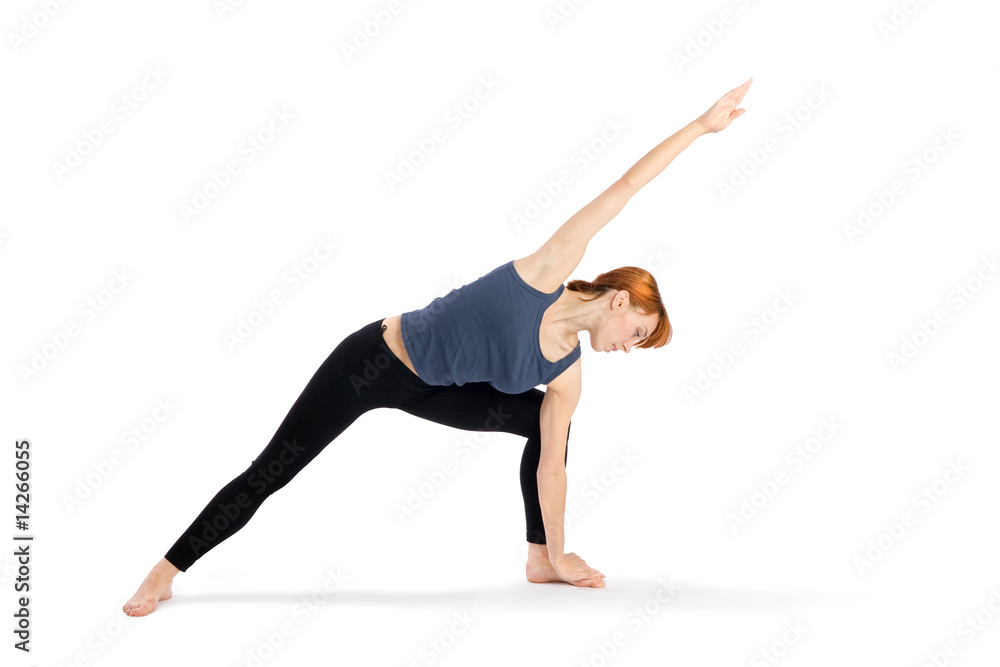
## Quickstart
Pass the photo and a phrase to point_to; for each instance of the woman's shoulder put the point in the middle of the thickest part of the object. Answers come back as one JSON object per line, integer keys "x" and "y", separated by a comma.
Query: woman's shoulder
{"x": 532, "y": 272}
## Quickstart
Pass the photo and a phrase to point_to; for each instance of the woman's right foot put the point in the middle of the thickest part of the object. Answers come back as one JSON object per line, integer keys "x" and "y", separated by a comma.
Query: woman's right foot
{"x": 154, "y": 588}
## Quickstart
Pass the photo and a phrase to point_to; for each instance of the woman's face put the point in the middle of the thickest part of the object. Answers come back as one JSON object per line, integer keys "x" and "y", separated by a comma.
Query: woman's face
{"x": 624, "y": 328}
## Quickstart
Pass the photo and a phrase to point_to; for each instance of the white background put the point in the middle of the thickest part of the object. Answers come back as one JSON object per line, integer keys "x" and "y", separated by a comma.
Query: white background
{"x": 721, "y": 261}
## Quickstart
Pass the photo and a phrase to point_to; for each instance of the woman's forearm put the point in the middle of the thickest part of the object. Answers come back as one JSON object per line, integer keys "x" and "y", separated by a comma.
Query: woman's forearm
{"x": 656, "y": 160}
{"x": 552, "y": 498}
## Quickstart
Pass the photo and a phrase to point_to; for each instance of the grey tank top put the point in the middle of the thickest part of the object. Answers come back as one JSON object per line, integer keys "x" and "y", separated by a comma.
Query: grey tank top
{"x": 484, "y": 331}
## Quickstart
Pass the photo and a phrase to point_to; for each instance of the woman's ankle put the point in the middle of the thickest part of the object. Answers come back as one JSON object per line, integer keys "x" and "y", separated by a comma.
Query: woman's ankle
{"x": 167, "y": 568}
{"x": 538, "y": 550}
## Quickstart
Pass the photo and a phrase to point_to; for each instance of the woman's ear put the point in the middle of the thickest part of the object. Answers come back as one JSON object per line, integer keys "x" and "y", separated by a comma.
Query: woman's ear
{"x": 621, "y": 298}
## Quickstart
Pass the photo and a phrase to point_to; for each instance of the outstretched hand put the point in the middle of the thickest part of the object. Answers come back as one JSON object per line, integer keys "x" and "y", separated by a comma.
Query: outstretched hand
{"x": 725, "y": 110}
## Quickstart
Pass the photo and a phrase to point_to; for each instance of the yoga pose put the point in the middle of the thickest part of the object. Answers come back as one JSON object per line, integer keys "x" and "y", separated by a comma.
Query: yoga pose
{"x": 472, "y": 359}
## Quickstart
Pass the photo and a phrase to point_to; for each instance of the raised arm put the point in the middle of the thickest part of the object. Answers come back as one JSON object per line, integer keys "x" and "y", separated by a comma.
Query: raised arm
{"x": 550, "y": 266}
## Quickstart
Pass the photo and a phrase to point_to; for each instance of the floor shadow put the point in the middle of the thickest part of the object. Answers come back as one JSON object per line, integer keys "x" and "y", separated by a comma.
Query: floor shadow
{"x": 620, "y": 592}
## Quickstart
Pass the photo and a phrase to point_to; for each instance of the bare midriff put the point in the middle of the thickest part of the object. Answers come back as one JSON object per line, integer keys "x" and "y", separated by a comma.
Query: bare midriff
{"x": 393, "y": 336}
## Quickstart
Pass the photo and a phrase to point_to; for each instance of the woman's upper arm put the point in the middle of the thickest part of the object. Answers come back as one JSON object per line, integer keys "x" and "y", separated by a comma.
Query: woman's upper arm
{"x": 561, "y": 398}
{"x": 568, "y": 385}
{"x": 549, "y": 266}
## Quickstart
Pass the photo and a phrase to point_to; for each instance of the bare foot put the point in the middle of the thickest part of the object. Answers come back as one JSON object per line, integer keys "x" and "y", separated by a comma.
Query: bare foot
{"x": 540, "y": 571}
{"x": 155, "y": 587}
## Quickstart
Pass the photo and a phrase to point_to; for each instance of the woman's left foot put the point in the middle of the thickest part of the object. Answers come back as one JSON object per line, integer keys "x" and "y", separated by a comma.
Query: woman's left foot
{"x": 154, "y": 589}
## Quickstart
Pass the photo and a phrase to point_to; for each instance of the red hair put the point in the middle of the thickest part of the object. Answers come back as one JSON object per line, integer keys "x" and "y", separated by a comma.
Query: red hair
{"x": 644, "y": 295}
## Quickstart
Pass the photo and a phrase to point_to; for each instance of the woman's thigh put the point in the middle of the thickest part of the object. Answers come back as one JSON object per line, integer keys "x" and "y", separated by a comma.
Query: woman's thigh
{"x": 478, "y": 406}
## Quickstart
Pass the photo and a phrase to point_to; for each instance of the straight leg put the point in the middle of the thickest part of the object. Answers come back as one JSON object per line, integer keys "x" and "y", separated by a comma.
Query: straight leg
{"x": 360, "y": 374}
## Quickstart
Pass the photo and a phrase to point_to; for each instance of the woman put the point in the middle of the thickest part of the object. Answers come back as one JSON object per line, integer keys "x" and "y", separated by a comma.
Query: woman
{"x": 471, "y": 360}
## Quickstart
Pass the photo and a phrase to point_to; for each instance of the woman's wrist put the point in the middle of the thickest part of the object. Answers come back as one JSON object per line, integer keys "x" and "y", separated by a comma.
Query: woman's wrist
{"x": 554, "y": 547}
{"x": 698, "y": 127}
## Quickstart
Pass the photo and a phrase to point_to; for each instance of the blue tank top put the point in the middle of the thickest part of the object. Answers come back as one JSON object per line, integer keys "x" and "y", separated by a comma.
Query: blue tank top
{"x": 484, "y": 331}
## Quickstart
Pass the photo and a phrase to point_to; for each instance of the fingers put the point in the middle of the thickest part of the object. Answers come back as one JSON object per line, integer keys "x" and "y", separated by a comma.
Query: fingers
{"x": 585, "y": 574}
{"x": 737, "y": 93}
{"x": 589, "y": 583}
{"x": 741, "y": 90}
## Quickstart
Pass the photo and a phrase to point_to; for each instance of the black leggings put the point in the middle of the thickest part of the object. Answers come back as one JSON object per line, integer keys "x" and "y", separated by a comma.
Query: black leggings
{"x": 360, "y": 374}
